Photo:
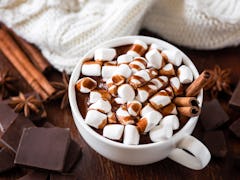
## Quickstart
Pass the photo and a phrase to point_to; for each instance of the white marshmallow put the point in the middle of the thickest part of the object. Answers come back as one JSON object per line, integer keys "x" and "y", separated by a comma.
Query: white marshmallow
{"x": 96, "y": 119}
{"x": 185, "y": 74}
{"x": 138, "y": 63}
{"x": 170, "y": 92}
{"x": 137, "y": 79}
{"x": 108, "y": 71}
{"x": 126, "y": 92}
{"x": 123, "y": 116}
{"x": 156, "y": 46}
{"x": 119, "y": 100}
{"x": 160, "y": 99}
{"x": 96, "y": 95}
{"x": 104, "y": 54}
{"x": 113, "y": 131}
{"x": 111, "y": 117}
{"x": 149, "y": 121}
{"x": 131, "y": 135}
{"x": 101, "y": 105}
{"x": 154, "y": 58}
{"x": 125, "y": 58}
{"x": 168, "y": 70}
{"x": 172, "y": 121}
{"x": 91, "y": 68}
{"x": 169, "y": 109}
{"x": 86, "y": 84}
{"x": 146, "y": 109}
{"x": 152, "y": 72}
{"x": 124, "y": 70}
{"x": 137, "y": 49}
{"x": 160, "y": 81}
{"x": 176, "y": 85}
{"x": 144, "y": 92}
{"x": 134, "y": 107}
{"x": 173, "y": 56}
{"x": 159, "y": 133}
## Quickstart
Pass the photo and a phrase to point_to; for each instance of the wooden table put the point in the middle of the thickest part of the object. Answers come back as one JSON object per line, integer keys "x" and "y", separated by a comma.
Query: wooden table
{"x": 94, "y": 166}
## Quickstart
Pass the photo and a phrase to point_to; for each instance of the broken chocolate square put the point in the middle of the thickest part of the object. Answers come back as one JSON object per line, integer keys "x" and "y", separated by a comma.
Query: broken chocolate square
{"x": 213, "y": 115}
{"x": 215, "y": 141}
{"x": 7, "y": 116}
{"x": 73, "y": 155}
{"x": 235, "y": 99}
{"x": 12, "y": 135}
{"x": 6, "y": 159}
{"x": 44, "y": 148}
{"x": 235, "y": 127}
{"x": 35, "y": 175}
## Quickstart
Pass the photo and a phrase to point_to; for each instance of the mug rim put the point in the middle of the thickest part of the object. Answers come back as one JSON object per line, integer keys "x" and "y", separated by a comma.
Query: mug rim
{"x": 125, "y": 40}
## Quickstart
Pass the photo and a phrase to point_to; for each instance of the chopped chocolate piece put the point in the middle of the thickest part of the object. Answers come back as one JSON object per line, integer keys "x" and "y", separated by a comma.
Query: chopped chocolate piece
{"x": 235, "y": 99}
{"x": 216, "y": 143}
{"x": 35, "y": 175}
{"x": 6, "y": 159}
{"x": 12, "y": 135}
{"x": 7, "y": 116}
{"x": 213, "y": 115}
{"x": 63, "y": 177}
{"x": 73, "y": 155}
{"x": 44, "y": 148}
{"x": 235, "y": 127}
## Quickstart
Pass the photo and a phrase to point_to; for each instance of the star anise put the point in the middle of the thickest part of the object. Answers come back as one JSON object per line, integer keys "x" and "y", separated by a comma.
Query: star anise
{"x": 220, "y": 82}
{"x": 27, "y": 104}
{"x": 6, "y": 83}
{"x": 61, "y": 90}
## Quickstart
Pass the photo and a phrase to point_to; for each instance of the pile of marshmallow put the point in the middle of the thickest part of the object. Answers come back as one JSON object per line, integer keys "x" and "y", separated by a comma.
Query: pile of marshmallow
{"x": 143, "y": 83}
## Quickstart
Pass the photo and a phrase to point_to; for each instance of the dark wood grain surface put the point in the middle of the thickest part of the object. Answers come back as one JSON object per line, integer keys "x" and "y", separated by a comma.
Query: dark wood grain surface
{"x": 94, "y": 166}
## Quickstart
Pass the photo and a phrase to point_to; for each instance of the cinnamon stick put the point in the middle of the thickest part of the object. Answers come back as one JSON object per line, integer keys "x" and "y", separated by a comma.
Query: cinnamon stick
{"x": 25, "y": 74}
{"x": 21, "y": 62}
{"x": 198, "y": 84}
{"x": 189, "y": 111}
{"x": 186, "y": 101}
{"x": 36, "y": 56}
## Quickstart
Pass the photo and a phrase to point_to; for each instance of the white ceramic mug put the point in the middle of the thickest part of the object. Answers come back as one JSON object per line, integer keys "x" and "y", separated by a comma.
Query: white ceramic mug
{"x": 173, "y": 148}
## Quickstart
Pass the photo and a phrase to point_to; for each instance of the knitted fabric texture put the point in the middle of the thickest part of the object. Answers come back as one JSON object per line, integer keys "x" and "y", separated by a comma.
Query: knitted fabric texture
{"x": 65, "y": 30}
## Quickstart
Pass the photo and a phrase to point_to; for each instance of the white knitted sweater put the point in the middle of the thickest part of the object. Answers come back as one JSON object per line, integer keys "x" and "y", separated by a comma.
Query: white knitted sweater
{"x": 66, "y": 29}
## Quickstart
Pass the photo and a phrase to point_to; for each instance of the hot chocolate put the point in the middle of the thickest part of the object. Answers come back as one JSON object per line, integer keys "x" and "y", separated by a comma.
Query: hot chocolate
{"x": 136, "y": 93}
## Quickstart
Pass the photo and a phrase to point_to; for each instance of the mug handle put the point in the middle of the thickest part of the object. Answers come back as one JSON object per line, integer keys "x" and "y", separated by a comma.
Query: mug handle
{"x": 199, "y": 157}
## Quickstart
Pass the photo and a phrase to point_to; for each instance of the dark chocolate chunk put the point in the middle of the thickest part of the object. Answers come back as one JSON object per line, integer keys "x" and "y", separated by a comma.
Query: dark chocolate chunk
{"x": 235, "y": 127}
{"x": 215, "y": 141}
{"x": 6, "y": 159}
{"x": 44, "y": 148}
{"x": 12, "y": 135}
{"x": 235, "y": 99}
{"x": 7, "y": 116}
{"x": 213, "y": 115}
{"x": 62, "y": 177}
{"x": 73, "y": 155}
{"x": 35, "y": 175}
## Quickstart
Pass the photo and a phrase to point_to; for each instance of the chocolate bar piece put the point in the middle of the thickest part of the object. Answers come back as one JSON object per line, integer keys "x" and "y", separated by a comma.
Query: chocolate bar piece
{"x": 12, "y": 135}
{"x": 213, "y": 115}
{"x": 73, "y": 155}
{"x": 62, "y": 177}
{"x": 6, "y": 159}
{"x": 35, "y": 175}
{"x": 235, "y": 99}
{"x": 215, "y": 141}
{"x": 44, "y": 148}
{"x": 7, "y": 116}
{"x": 235, "y": 127}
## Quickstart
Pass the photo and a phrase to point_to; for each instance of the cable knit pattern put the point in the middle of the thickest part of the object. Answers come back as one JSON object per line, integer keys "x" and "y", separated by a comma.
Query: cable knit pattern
{"x": 66, "y": 29}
